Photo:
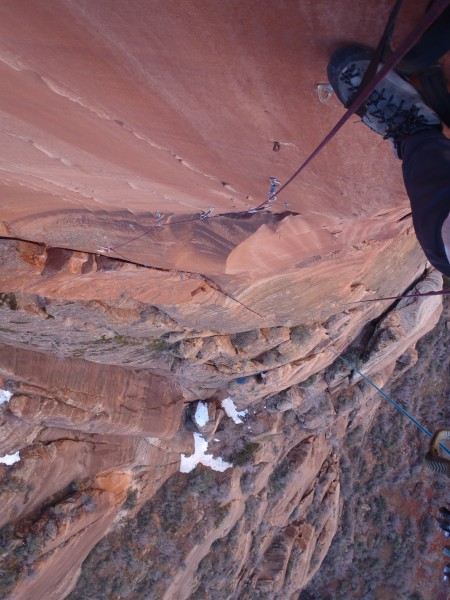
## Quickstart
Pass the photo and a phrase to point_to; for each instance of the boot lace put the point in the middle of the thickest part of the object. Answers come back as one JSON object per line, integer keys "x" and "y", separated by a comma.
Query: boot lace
{"x": 347, "y": 75}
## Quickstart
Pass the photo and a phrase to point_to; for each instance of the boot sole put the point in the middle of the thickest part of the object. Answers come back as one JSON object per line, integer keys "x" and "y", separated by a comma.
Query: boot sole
{"x": 340, "y": 59}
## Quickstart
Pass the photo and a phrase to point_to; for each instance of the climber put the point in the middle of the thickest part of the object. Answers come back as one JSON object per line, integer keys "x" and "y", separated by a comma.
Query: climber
{"x": 396, "y": 110}
{"x": 433, "y": 459}
{"x": 444, "y": 521}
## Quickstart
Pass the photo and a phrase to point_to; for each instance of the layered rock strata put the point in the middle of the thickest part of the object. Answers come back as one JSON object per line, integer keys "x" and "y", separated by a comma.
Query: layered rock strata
{"x": 135, "y": 281}
{"x": 100, "y": 444}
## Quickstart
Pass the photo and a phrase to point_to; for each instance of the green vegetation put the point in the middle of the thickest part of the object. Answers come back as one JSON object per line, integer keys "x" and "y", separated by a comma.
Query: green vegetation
{"x": 220, "y": 514}
{"x": 308, "y": 382}
{"x": 157, "y": 345}
{"x": 244, "y": 455}
{"x": 141, "y": 557}
{"x": 116, "y": 339}
{"x": 102, "y": 340}
{"x": 245, "y": 338}
{"x": 9, "y": 300}
{"x": 300, "y": 334}
{"x": 131, "y": 499}
{"x": 387, "y": 526}
{"x": 286, "y": 469}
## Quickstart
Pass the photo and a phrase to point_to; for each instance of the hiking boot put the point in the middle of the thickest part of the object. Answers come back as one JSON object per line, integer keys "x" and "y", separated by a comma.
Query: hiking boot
{"x": 395, "y": 109}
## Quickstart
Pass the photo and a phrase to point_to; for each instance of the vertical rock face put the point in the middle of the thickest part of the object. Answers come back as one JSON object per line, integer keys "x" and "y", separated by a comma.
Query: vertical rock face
{"x": 104, "y": 402}
{"x": 135, "y": 281}
{"x": 390, "y": 499}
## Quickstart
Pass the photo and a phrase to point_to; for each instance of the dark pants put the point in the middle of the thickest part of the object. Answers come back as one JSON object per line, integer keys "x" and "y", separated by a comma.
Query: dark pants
{"x": 426, "y": 171}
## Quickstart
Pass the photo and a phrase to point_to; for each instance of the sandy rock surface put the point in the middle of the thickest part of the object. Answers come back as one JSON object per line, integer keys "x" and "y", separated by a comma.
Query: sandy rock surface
{"x": 135, "y": 282}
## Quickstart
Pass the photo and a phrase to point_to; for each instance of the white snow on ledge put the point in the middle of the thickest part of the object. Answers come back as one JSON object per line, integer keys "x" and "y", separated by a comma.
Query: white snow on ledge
{"x": 4, "y": 396}
{"x": 232, "y": 412}
{"x": 188, "y": 463}
{"x": 10, "y": 459}
{"x": 201, "y": 414}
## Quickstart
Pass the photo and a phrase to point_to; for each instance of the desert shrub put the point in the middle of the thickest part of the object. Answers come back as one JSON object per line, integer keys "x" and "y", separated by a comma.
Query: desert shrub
{"x": 158, "y": 345}
{"x": 286, "y": 469}
{"x": 131, "y": 499}
{"x": 8, "y": 301}
{"x": 311, "y": 380}
{"x": 300, "y": 334}
{"x": 244, "y": 338}
{"x": 220, "y": 512}
{"x": 244, "y": 455}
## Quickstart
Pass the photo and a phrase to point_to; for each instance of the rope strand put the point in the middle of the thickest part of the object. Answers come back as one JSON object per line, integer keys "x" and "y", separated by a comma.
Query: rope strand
{"x": 428, "y": 19}
{"x": 403, "y": 411}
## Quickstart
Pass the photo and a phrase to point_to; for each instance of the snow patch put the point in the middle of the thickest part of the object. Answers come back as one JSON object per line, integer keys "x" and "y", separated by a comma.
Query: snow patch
{"x": 201, "y": 414}
{"x": 230, "y": 408}
{"x": 5, "y": 396}
{"x": 10, "y": 459}
{"x": 188, "y": 463}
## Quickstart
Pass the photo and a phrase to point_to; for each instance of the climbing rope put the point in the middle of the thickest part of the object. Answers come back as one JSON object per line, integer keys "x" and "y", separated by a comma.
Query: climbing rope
{"x": 403, "y": 411}
{"x": 212, "y": 284}
{"x": 433, "y": 459}
{"x": 383, "y": 44}
{"x": 410, "y": 41}
{"x": 429, "y": 18}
